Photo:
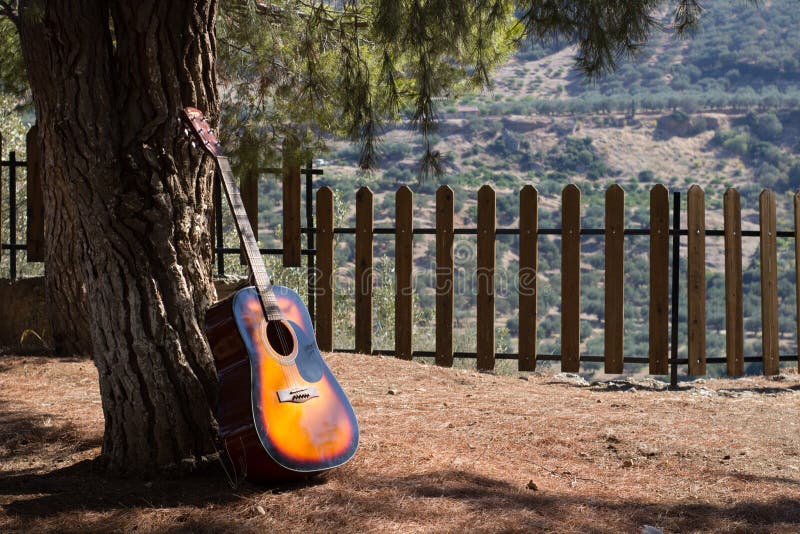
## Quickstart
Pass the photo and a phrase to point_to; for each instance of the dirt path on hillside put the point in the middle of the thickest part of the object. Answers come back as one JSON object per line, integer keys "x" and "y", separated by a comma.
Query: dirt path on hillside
{"x": 442, "y": 450}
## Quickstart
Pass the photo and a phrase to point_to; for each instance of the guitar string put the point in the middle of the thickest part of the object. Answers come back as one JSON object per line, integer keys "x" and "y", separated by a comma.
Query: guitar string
{"x": 285, "y": 345}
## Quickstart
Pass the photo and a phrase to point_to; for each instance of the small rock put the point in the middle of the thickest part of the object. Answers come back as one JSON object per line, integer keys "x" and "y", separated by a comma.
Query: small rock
{"x": 647, "y": 529}
{"x": 524, "y": 377}
{"x": 779, "y": 378}
{"x": 531, "y": 485}
{"x": 726, "y": 457}
{"x": 647, "y": 451}
{"x": 392, "y": 392}
{"x": 260, "y": 510}
{"x": 627, "y": 463}
{"x": 631, "y": 383}
{"x": 575, "y": 378}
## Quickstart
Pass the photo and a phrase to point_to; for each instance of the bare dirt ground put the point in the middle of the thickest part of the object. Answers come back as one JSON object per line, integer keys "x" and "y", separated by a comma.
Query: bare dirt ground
{"x": 442, "y": 450}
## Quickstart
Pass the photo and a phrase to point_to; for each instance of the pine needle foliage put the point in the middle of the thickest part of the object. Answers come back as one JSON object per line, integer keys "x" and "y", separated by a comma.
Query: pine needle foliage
{"x": 307, "y": 69}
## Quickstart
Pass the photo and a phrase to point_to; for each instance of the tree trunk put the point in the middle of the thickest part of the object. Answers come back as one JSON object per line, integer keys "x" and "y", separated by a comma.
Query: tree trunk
{"x": 108, "y": 79}
{"x": 65, "y": 292}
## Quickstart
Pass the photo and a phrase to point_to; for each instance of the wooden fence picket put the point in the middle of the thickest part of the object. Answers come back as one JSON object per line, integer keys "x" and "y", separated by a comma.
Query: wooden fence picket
{"x": 404, "y": 264}
{"x": 291, "y": 213}
{"x": 734, "y": 311}
{"x": 659, "y": 281}
{"x": 614, "y": 279}
{"x": 1, "y": 201}
{"x": 570, "y": 279}
{"x": 769, "y": 282}
{"x": 444, "y": 276}
{"x": 324, "y": 282}
{"x": 486, "y": 265}
{"x": 363, "y": 282}
{"x": 35, "y": 201}
{"x": 528, "y": 271}
{"x": 696, "y": 281}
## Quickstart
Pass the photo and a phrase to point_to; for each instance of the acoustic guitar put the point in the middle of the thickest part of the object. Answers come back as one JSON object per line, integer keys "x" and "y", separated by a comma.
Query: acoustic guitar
{"x": 281, "y": 413}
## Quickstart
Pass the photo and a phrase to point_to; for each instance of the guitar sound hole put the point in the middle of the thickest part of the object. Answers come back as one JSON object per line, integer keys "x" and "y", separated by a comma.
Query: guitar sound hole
{"x": 279, "y": 338}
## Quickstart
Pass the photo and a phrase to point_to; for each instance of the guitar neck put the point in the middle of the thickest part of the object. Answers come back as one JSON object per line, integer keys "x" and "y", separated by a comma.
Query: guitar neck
{"x": 249, "y": 242}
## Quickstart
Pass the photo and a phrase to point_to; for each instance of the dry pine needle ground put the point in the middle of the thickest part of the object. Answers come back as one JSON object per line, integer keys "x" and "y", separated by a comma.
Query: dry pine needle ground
{"x": 442, "y": 450}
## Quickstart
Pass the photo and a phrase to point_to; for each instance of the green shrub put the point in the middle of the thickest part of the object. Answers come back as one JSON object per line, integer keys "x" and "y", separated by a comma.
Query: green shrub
{"x": 578, "y": 156}
{"x": 766, "y": 126}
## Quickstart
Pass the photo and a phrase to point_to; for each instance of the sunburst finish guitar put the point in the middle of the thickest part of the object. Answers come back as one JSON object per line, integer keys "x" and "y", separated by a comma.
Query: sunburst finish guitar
{"x": 281, "y": 413}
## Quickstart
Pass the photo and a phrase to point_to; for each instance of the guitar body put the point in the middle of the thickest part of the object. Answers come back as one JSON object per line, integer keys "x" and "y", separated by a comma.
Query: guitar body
{"x": 281, "y": 416}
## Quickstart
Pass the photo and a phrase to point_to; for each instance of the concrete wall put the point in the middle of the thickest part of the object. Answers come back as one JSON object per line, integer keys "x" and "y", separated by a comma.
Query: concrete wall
{"x": 23, "y": 313}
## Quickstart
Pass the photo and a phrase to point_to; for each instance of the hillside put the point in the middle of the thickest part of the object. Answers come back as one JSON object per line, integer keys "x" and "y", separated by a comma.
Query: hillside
{"x": 719, "y": 109}
{"x": 737, "y": 75}
{"x": 441, "y": 450}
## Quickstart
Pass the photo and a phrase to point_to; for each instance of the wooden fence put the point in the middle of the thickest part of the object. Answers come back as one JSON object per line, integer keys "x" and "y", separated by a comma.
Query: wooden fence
{"x": 662, "y": 355}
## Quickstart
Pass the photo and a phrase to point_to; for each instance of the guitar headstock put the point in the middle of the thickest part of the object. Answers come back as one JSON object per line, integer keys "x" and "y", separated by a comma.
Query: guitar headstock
{"x": 196, "y": 126}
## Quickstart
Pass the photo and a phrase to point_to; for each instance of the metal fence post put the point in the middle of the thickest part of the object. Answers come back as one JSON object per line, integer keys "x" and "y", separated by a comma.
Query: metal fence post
{"x": 218, "y": 225}
{"x": 310, "y": 240}
{"x": 675, "y": 301}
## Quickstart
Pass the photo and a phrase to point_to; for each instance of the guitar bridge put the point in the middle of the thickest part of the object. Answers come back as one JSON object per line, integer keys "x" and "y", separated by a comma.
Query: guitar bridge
{"x": 297, "y": 394}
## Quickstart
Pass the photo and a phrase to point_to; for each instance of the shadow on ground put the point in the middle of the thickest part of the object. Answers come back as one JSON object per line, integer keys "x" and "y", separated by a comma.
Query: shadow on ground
{"x": 362, "y": 501}
{"x": 358, "y": 497}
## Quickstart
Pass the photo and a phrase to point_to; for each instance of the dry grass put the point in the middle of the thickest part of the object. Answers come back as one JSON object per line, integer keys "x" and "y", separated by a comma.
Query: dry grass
{"x": 452, "y": 450}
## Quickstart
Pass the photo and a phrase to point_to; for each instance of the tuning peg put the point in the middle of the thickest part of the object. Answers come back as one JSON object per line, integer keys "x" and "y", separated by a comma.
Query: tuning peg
{"x": 186, "y": 132}
{"x": 194, "y": 145}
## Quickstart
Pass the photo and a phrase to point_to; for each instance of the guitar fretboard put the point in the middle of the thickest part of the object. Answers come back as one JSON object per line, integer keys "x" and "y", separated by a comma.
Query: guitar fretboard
{"x": 249, "y": 242}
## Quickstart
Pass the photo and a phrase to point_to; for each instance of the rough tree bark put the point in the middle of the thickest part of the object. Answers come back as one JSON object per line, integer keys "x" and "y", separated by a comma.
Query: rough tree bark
{"x": 108, "y": 79}
{"x": 65, "y": 291}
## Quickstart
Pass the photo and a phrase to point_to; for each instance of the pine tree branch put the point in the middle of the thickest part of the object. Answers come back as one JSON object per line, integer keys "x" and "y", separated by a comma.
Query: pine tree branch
{"x": 10, "y": 11}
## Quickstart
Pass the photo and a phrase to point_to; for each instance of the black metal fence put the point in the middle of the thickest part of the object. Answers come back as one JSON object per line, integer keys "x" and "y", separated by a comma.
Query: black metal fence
{"x": 12, "y": 245}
